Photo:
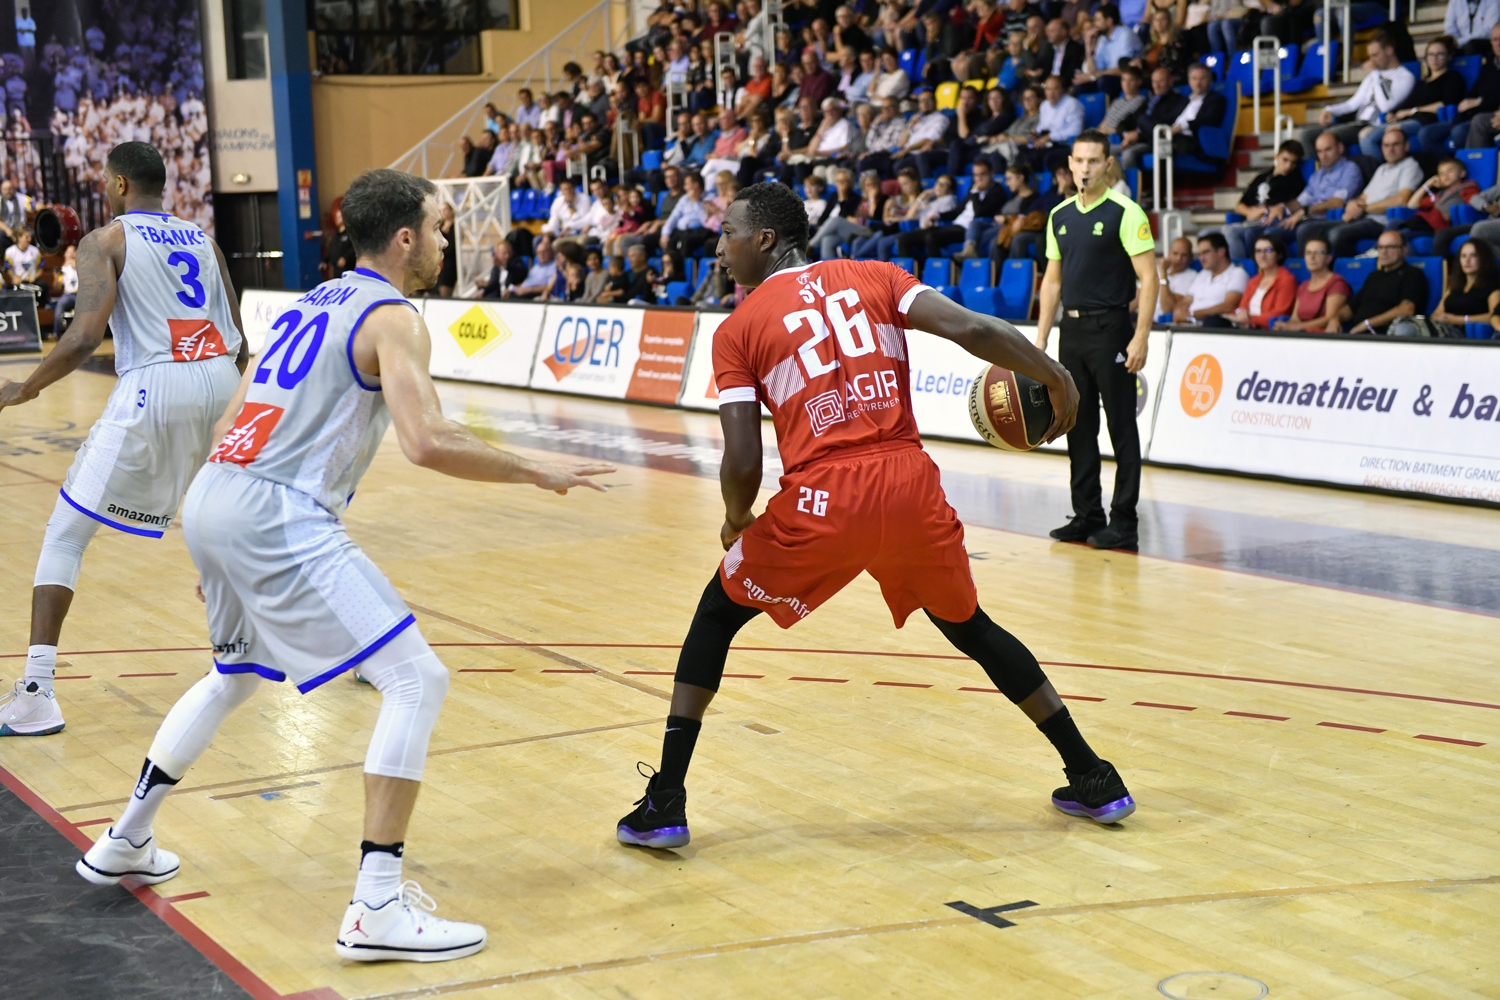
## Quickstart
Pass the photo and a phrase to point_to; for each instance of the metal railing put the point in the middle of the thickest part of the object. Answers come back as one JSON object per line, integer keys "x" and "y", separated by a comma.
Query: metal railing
{"x": 1161, "y": 166}
{"x": 1266, "y": 54}
{"x": 481, "y": 218}
{"x": 1347, "y": 26}
{"x": 602, "y": 27}
{"x": 776, "y": 21}
{"x": 724, "y": 58}
{"x": 1283, "y": 126}
{"x": 40, "y": 169}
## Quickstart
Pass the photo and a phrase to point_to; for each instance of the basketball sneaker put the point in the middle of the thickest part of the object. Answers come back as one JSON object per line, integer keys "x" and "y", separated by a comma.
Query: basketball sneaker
{"x": 1099, "y": 794}
{"x": 1077, "y": 530}
{"x": 404, "y": 930}
{"x": 113, "y": 858}
{"x": 30, "y": 711}
{"x": 1115, "y": 536}
{"x": 659, "y": 818}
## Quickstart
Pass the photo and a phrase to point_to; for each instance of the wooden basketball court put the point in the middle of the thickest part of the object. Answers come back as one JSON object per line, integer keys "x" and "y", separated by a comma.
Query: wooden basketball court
{"x": 1312, "y": 733}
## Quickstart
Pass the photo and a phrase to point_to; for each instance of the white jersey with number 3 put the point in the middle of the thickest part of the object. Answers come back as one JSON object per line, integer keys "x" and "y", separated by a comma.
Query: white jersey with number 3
{"x": 171, "y": 304}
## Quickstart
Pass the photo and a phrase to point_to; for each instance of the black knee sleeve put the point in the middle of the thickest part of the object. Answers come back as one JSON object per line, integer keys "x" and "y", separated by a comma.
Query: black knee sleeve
{"x": 715, "y": 624}
{"x": 1006, "y": 660}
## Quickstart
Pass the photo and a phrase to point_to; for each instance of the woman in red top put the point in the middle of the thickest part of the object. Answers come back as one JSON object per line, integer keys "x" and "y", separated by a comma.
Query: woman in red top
{"x": 1271, "y": 292}
{"x": 1322, "y": 295}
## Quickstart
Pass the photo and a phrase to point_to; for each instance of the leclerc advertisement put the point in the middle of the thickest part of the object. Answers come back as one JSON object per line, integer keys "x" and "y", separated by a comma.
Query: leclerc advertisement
{"x": 486, "y": 341}
{"x": 259, "y": 308}
{"x": 1414, "y": 416}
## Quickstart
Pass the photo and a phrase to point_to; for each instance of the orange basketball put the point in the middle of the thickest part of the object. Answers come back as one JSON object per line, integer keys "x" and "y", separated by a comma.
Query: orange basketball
{"x": 1009, "y": 411}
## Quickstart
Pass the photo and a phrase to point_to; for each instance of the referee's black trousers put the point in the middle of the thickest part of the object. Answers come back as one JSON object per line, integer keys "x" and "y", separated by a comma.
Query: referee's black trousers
{"x": 1092, "y": 349}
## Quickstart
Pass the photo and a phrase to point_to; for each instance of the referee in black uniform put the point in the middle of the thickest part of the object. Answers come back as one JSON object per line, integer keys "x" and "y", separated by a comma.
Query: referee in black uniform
{"x": 1098, "y": 243}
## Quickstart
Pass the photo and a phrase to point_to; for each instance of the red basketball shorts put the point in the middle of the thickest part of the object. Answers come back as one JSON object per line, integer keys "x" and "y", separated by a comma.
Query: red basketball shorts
{"x": 881, "y": 511}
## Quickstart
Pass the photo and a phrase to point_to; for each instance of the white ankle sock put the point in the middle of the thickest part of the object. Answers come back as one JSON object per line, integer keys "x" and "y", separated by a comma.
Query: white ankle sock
{"x": 41, "y": 665}
{"x": 379, "y": 878}
{"x": 151, "y": 790}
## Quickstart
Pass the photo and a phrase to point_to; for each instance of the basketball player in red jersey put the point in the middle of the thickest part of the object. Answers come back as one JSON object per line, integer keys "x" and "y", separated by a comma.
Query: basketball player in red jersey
{"x": 823, "y": 346}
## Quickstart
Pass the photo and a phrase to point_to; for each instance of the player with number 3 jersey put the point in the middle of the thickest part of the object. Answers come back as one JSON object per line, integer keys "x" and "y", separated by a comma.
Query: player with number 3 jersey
{"x": 162, "y": 287}
{"x": 823, "y": 346}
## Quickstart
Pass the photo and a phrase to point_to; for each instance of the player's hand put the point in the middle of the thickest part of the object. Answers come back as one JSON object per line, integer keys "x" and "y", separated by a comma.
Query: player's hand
{"x": 13, "y": 393}
{"x": 198, "y": 592}
{"x": 733, "y": 529}
{"x": 559, "y": 477}
{"x": 1135, "y": 355}
{"x": 1064, "y": 408}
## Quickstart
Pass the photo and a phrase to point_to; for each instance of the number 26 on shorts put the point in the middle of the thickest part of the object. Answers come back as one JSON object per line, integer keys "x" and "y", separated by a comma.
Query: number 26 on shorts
{"x": 811, "y": 501}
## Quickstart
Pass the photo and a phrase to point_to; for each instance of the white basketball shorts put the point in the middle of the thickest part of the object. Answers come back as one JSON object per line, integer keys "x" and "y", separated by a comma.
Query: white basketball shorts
{"x": 290, "y": 596}
{"x": 155, "y": 432}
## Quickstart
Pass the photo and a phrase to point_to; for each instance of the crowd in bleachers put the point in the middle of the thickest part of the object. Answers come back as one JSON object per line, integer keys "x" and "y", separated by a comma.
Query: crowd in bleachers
{"x": 935, "y": 136}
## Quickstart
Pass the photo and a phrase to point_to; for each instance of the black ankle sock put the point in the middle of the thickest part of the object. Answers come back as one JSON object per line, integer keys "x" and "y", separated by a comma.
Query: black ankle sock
{"x": 366, "y": 846}
{"x": 151, "y": 776}
{"x": 677, "y": 750}
{"x": 1060, "y": 728}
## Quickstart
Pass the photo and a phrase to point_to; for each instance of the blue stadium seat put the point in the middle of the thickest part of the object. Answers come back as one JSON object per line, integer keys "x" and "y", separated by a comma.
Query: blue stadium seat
{"x": 1480, "y": 163}
{"x": 910, "y": 62}
{"x": 1044, "y": 181}
{"x": 1311, "y": 73}
{"x": 1016, "y": 289}
{"x": 1215, "y": 61}
{"x": 962, "y": 185}
{"x": 651, "y": 159}
{"x": 676, "y": 290}
{"x": 1432, "y": 267}
{"x": 1362, "y": 247}
{"x": 1453, "y": 245}
{"x": 1420, "y": 245}
{"x": 937, "y": 271}
{"x": 654, "y": 263}
{"x": 1479, "y": 331}
{"x": 906, "y": 264}
{"x": 1468, "y": 67}
{"x": 1093, "y": 108}
{"x": 1355, "y": 270}
{"x": 981, "y": 300}
{"x": 977, "y": 273}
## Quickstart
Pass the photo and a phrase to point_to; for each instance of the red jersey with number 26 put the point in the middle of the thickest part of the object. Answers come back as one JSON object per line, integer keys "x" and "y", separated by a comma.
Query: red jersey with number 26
{"x": 824, "y": 347}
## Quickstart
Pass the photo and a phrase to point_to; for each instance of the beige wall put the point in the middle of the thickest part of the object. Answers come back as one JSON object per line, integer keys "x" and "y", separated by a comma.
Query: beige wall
{"x": 368, "y": 121}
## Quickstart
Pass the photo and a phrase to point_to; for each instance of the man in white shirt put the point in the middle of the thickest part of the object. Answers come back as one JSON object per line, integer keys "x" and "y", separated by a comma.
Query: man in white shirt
{"x": 1391, "y": 186}
{"x": 1386, "y": 86}
{"x": 923, "y": 141}
{"x": 1060, "y": 118}
{"x": 69, "y": 297}
{"x": 1177, "y": 274}
{"x": 1216, "y": 290}
{"x": 1107, "y": 42}
{"x": 568, "y": 211}
{"x": 1469, "y": 23}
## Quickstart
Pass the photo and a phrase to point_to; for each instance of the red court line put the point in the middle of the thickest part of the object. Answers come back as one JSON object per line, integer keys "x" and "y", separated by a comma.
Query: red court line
{"x": 566, "y": 670}
{"x": 747, "y": 677}
{"x": 654, "y": 673}
{"x": 1345, "y": 725}
{"x": 186, "y": 896}
{"x": 822, "y": 680}
{"x": 72, "y": 677}
{"x": 1257, "y": 715}
{"x": 104, "y": 652}
{"x": 487, "y": 670}
{"x": 94, "y": 822}
{"x": 900, "y": 684}
{"x": 1079, "y": 697}
{"x": 982, "y": 690}
{"x": 1160, "y": 704}
{"x": 170, "y": 674}
{"x": 1447, "y": 739}
{"x": 232, "y": 967}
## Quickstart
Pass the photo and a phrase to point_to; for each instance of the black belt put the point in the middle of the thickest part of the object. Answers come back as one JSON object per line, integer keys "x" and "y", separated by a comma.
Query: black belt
{"x": 1085, "y": 313}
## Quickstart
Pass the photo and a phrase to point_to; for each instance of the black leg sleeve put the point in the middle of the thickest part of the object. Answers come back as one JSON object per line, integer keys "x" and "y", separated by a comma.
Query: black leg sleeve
{"x": 1004, "y": 658}
{"x": 717, "y": 621}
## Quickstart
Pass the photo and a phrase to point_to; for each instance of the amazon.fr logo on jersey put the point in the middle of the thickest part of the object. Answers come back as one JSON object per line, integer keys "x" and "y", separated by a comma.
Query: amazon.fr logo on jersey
{"x": 248, "y": 435}
{"x": 195, "y": 339}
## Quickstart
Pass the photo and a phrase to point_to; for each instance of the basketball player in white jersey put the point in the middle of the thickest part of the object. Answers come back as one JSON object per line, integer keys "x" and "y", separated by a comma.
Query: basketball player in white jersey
{"x": 162, "y": 287}
{"x": 290, "y": 596}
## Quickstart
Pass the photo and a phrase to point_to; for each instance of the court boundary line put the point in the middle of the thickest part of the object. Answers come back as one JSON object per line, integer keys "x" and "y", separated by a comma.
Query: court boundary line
{"x": 936, "y": 923}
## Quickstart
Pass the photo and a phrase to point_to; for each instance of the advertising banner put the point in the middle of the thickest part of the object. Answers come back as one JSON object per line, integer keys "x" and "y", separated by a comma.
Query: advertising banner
{"x": 1413, "y": 416}
{"x": 666, "y": 337}
{"x": 484, "y": 341}
{"x": 259, "y": 308}
{"x": 1148, "y": 382}
{"x": 19, "y": 329}
{"x": 698, "y": 389}
{"x": 590, "y": 350}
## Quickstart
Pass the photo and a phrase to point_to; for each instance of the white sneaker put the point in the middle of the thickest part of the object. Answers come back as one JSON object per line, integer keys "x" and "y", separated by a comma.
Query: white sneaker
{"x": 403, "y": 929}
{"x": 113, "y": 858}
{"x": 30, "y": 711}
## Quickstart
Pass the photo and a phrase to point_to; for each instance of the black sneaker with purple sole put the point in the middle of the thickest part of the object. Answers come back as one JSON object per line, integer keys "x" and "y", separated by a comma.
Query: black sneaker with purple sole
{"x": 659, "y": 818}
{"x": 1099, "y": 795}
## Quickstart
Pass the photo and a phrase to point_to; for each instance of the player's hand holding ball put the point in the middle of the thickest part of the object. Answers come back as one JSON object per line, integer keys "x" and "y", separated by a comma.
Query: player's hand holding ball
{"x": 1017, "y": 413}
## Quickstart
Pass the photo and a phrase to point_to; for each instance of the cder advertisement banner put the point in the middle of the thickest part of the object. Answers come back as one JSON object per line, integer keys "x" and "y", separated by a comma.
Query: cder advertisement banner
{"x": 666, "y": 338}
{"x": 485, "y": 341}
{"x": 259, "y": 308}
{"x": 1414, "y": 416}
{"x": 589, "y": 350}
{"x": 698, "y": 389}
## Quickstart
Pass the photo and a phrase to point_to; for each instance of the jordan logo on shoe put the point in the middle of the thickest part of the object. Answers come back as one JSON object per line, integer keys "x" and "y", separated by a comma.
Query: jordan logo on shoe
{"x": 357, "y": 926}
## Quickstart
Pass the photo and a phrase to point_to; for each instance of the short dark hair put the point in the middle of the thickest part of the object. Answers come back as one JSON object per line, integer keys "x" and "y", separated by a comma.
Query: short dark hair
{"x": 1277, "y": 247}
{"x": 1214, "y": 239}
{"x": 776, "y": 207}
{"x": 382, "y": 202}
{"x": 1130, "y": 69}
{"x": 1110, "y": 11}
{"x": 1294, "y": 147}
{"x": 141, "y": 165}
{"x": 1094, "y": 136}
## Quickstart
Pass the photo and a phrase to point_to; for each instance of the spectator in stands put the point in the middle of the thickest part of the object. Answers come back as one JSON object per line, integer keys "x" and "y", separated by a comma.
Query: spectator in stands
{"x": 1321, "y": 296}
{"x": 891, "y": 80}
{"x": 1223, "y": 26}
{"x": 1061, "y": 56}
{"x": 573, "y": 285}
{"x": 1396, "y": 289}
{"x": 528, "y": 112}
{"x": 1391, "y": 186}
{"x": 1108, "y": 42}
{"x": 596, "y": 278}
{"x": 671, "y": 273}
{"x": 846, "y": 34}
{"x": 1333, "y": 183}
{"x": 1478, "y": 118}
{"x": 640, "y": 278}
{"x": 1487, "y": 201}
{"x": 848, "y": 214}
{"x": 854, "y": 84}
{"x": 725, "y": 154}
{"x": 1059, "y": 120}
{"x": 688, "y": 227}
{"x": 1216, "y": 290}
{"x": 1205, "y": 107}
{"x": 1031, "y": 242}
{"x": 528, "y": 159}
{"x": 830, "y": 142}
{"x": 1021, "y": 218}
{"x": 1272, "y": 292}
{"x": 1162, "y": 107}
{"x": 883, "y": 138}
{"x": 1440, "y": 85}
{"x": 977, "y": 133}
{"x": 899, "y": 207}
{"x": 1289, "y": 20}
{"x": 1383, "y": 89}
{"x": 925, "y": 140}
{"x": 933, "y": 207}
{"x": 466, "y": 158}
{"x": 1034, "y": 49}
{"x": 1008, "y": 72}
{"x": 1177, "y": 274}
{"x": 542, "y": 275}
{"x": 817, "y": 83}
{"x": 813, "y": 200}
{"x": 448, "y": 276}
{"x": 1470, "y": 24}
{"x": 700, "y": 87}
{"x": 65, "y": 291}
{"x": 973, "y": 224}
{"x": 1271, "y": 196}
{"x": 1128, "y": 103}
{"x": 338, "y": 255}
{"x": 1008, "y": 144}
{"x": 1435, "y": 199}
{"x": 569, "y": 211}
{"x": 699, "y": 146}
{"x": 502, "y": 158}
{"x": 23, "y": 262}
{"x": 1167, "y": 46}
{"x": 842, "y": 202}
{"x": 758, "y": 86}
{"x": 1472, "y": 293}
{"x": 507, "y": 274}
